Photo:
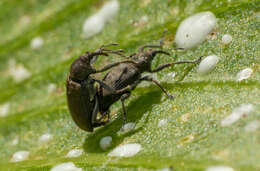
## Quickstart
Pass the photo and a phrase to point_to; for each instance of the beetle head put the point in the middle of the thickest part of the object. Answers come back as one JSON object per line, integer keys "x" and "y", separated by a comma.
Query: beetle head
{"x": 81, "y": 68}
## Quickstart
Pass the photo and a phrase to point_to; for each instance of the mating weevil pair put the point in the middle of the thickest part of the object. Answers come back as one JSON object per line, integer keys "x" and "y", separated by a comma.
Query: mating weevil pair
{"x": 85, "y": 100}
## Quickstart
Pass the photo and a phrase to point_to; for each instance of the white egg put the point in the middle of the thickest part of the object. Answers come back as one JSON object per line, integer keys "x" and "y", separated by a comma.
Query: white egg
{"x": 69, "y": 166}
{"x": 20, "y": 156}
{"x": 105, "y": 142}
{"x": 93, "y": 25}
{"x": 4, "y": 109}
{"x": 219, "y": 168}
{"x": 18, "y": 72}
{"x": 208, "y": 64}
{"x": 36, "y": 42}
{"x": 126, "y": 150}
{"x": 194, "y": 30}
{"x": 242, "y": 110}
{"x": 109, "y": 10}
{"x": 74, "y": 153}
{"x": 226, "y": 39}
{"x": 45, "y": 138}
{"x": 244, "y": 74}
{"x": 162, "y": 122}
{"x": 51, "y": 88}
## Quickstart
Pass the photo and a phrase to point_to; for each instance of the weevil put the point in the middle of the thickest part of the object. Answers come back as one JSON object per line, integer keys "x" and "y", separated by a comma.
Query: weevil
{"x": 81, "y": 91}
{"x": 125, "y": 77}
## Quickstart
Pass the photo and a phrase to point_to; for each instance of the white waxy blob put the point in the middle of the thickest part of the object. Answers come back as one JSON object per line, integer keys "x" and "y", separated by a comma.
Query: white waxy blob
{"x": 226, "y": 39}
{"x": 105, "y": 142}
{"x": 162, "y": 122}
{"x": 69, "y": 166}
{"x": 164, "y": 169}
{"x": 4, "y": 109}
{"x": 51, "y": 88}
{"x": 45, "y": 138}
{"x": 126, "y": 150}
{"x": 74, "y": 153}
{"x": 17, "y": 71}
{"x": 109, "y": 10}
{"x": 244, "y": 74}
{"x": 20, "y": 156}
{"x": 15, "y": 141}
{"x": 93, "y": 25}
{"x": 243, "y": 110}
{"x": 36, "y": 42}
{"x": 219, "y": 168}
{"x": 194, "y": 30}
{"x": 252, "y": 126}
{"x": 208, "y": 64}
{"x": 128, "y": 126}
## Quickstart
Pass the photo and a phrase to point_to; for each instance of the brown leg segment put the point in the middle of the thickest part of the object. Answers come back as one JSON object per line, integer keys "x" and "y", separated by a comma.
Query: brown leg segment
{"x": 123, "y": 98}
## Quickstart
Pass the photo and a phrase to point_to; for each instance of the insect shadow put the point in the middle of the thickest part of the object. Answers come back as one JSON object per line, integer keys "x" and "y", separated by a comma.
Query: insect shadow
{"x": 150, "y": 96}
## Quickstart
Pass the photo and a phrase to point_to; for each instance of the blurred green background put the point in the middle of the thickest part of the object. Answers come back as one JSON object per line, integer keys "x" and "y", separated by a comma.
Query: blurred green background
{"x": 192, "y": 139}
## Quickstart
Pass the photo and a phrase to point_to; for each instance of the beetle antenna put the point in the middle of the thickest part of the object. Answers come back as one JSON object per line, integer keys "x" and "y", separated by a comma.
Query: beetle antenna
{"x": 109, "y": 44}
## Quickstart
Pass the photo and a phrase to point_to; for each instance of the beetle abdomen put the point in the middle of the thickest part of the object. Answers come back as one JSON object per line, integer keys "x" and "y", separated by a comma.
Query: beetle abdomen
{"x": 80, "y": 106}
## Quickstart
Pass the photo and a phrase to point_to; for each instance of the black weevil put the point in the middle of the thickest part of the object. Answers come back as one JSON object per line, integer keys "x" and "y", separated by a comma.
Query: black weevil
{"x": 81, "y": 92}
{"x": 125, "y": 77}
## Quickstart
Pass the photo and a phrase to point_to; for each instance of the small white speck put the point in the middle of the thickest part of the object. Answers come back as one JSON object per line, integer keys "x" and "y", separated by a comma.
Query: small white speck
{"x": 69, "y": 166}
{"x": 244, "y": 74}
{"x": 4, "y": 109}
{"x": 51, "y": 88}
{"x": 208, "y": 64}
{"x": 74, "y": 153}
{"x": 105, "y": 142}
{"x": 219, "y": 168}
{"x": 252, "y": 126}
{"x": 36, "y": 42}
{"x": 20, "y": 156}
{"x": 15, "y": 141}
{"x": 17, "y": 71}
{"x": 194, "y": 30}
{"x": 226, "y": 39}
{"x": 45, "y": 138}
{"x": 164, "y": 169}
{"x": 126, "y": 150}
{"x": 109, "y": 10}
{"x": 128, "y": 126}
{"x": 243, "y": 110}
{"x": 162, "y": 122}
{"x": 93, "y": 25}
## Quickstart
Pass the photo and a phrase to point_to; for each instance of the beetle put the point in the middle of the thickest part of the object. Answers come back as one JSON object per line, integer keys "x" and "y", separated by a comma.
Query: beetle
{"x": 125, "y": 77}
{"x": 81, "y": 91}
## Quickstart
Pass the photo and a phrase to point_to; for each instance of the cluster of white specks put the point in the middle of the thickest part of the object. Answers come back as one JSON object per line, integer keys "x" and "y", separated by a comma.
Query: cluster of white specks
{"x": 51, "y": 88}
{"x": 66, "y": 167}
{"x": 45, "y": 138}
{"x": 126, "y": 150}
{"x": 162, "y": 122}
{"x": 95, "y": 23}
{"x": 74, "y": 153}
{"x": 208, "y": 64}
{"x": 36, "y": 42}
{"x": 17, "y": 71}
{"x": 243, "y": 110}
{"x": 194, "y": 30}
{"x": 252, "y": 126}
{"x": 15, "y": 141}
{"x": 4, "y": 109}
{"x": 244, "y": 74}
{"x": 20, "y": 156}
{"x": 105, "y": 142}
{"x": 219, "y": 168}
{"x": 226, "y": 39}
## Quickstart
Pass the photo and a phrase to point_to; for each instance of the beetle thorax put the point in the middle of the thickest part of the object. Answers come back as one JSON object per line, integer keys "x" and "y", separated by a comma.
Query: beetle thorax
{"x": 80, "y": 69}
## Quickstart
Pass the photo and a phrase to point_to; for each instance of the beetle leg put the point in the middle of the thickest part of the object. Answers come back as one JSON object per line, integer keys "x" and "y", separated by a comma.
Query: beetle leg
{"x": 123, "y": 98}
{"x": 148, "y": 78}
{"x": 161, "y": 67}
{"x": 113, "y": 64}
{"x": 95, "y": 111}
